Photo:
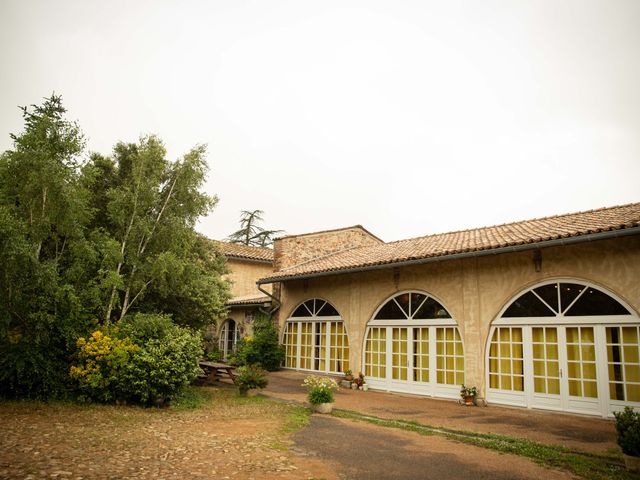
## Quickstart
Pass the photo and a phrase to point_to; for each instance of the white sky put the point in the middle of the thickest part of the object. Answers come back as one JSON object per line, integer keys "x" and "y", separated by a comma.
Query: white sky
{"x": 408, "y": 117}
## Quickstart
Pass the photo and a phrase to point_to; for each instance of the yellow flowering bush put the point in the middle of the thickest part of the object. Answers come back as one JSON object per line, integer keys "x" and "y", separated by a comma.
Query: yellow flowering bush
{"x": 102, "y": 359}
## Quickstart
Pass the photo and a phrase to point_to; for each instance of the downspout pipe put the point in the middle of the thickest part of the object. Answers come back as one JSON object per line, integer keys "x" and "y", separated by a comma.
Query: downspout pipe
{"x": 276, "y": 302}
{"x": 592, "y": 237}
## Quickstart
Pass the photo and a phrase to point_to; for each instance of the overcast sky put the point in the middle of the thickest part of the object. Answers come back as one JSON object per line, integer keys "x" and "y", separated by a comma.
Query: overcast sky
{"x": 408, "y": 117}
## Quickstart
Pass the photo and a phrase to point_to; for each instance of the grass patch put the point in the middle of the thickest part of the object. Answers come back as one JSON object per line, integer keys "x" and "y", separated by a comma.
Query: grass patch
{"x": 192, "y": 398}
{"x": 585, "y": 465}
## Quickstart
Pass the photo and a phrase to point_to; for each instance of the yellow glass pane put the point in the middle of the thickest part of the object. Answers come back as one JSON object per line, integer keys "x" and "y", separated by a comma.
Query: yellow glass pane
{"x": 451, "y": 379}
{"x": 518, "y": 384}
{"x": 630, "y": 335}
{"x": 575, "y": 388}
{"x": 505, "y": 382}
{"x": 554, "y": 386}
{"x": 538, "y": 368}
{"x": 449, "y": 334}
{"x": 505, "y": 366}
{"x": 587, "y": 334}
{"x": 590, "y": 389}
{"x": 459, "y": 350}
{"x": 460, "y": 363}
{"x": 505, "y": 350}
{"x": 539, "y": 385}
{"x": 632, "y": 373}
{"x": 538, "y": 351}
{"x": 493, "y": 365}
{"x": 517, "y": 367}
{"x": 440, "y": 334}
{"x": 537, "y": 335}
{"x": 552, "y": 335}
{"x": 610, "y": 334}
{"x": 505, "y": 335}
{"x": 573, "y": 352}
{"x": 552, "y": 352}
{"x": 440, "y": 363}
{"x": 459, "y": 378}
{"x": 572, "y": 335}
{"x": 516, "y": 335}
{"x": 424, "y": 376}
{"x": 449, "y": 363}
{"x": 589, "y": 371}
{"x": 440, "y": 348}
{"x": 588, "y": 353}
{"x": 494, "y": 381}
{"x": 633, "y": 393}
{"x": 573, "y": 370}
{"x": 440, "y": 376}
{"x": 631, "y": 354}
{"x": 516, "y": 350}
{"x": 553, "y": 370}
{"x": 616, "y": 391}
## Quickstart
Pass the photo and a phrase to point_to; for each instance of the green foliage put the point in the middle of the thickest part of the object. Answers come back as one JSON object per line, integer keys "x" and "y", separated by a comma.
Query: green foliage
{"x": 95, "y": 240}
{"x": 166, "y": 362}
{"x": 46, "y": 262}
{"x": 250, "y": 376}
{"x": 628, "y": 428}
{"x": 320, "y": 389}
{"x": 103, "y": 360}
{"x": 263, "y": 348}
{"x": 251, "y": 233}
{"x": 147, "y": 360}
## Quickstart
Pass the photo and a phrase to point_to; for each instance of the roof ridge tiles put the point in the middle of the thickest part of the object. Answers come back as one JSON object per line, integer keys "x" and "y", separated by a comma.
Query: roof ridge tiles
{"x": 518, "y": 222}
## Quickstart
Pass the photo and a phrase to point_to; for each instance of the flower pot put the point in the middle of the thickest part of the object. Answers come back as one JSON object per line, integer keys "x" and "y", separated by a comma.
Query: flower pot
{"x": 365, "y": 387}
{"x": 632, "y": 463}
{"x": 469, "y": 400}
{"x": 348, "y": 378}
{"x": 354, "y": 386}
{"x": 323, "y": 407}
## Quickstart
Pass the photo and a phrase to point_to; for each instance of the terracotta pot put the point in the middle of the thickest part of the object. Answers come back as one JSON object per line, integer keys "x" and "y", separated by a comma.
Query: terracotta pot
{"x": 632, "y": 463}
{"x": 469, "y": 400}
{"x": 348, "y": 378}
{"x": 323, "y": 407}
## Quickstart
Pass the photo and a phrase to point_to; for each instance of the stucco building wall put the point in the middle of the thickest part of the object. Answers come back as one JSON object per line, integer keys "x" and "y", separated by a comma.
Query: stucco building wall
{"x": 474, "y": 290}
{"x": 243, "y": 275}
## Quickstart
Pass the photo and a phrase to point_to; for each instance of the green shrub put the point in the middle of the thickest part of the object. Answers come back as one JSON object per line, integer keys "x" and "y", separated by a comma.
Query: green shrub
{"x": 263, "y": 348}
{"x": 628, "y": 428}
{"x": 248, "y": 377}
{"x": 103, "y": 361}
{"x": 166, "y": 362}
{"x": 147, "y": 360}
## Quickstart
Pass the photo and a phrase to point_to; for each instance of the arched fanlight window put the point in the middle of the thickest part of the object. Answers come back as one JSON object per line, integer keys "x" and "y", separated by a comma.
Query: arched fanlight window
{"x": 315, "y": 338}
{"x": 413, "y": 344}
{"x": 565, "y": 345}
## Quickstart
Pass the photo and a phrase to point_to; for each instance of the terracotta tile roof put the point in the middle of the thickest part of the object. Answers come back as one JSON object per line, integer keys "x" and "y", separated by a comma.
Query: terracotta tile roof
{"x": 237, "y": 250}
{"x": 487, "y": 239}
{"x": 248, "y": 300}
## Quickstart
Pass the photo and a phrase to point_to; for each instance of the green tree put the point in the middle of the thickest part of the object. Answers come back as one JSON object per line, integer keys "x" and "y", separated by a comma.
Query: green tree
{"x": 251, "y": 233}
{"x": 149, "y": 207}
{"x": 46, "y": 262}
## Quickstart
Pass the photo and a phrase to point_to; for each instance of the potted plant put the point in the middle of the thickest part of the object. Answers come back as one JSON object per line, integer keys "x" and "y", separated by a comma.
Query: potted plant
{"x": 468, "y": 395}
{"x": 249, "y": 378}
{"x": 359, "y": 382}
{"x": 628, "y": 428}
{"x": 320, "y": 391}
{"x": 348, "y": 376}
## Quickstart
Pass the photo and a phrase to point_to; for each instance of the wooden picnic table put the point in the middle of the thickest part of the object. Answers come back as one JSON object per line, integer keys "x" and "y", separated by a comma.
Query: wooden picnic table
{"x": 217, "y": 369}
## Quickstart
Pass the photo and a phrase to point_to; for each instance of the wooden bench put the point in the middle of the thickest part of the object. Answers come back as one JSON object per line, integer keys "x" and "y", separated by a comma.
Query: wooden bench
{"x": 219, "y": 370}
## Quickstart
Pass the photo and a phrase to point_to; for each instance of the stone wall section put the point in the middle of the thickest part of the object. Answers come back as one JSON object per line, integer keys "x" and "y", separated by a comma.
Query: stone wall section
{"x": 243, "y": 275}
{"x": 296, "y": 249}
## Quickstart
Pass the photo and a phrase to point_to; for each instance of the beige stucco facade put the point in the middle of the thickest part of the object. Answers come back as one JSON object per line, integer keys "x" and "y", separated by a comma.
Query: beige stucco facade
{"x": 474, "y": 290}
{"x": 243, "y": 275}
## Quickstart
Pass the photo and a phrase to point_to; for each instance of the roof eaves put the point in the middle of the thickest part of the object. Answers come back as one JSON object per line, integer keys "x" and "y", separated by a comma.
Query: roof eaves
{"x": 622, "y": 231}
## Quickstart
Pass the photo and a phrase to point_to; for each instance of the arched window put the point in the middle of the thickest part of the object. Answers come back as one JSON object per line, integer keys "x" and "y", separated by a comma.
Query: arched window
{"x": 228, "y": 337}
{"x": 315, "y": 338}
{"x": 565, "y": 345}
{"x": 412, "y": 344}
